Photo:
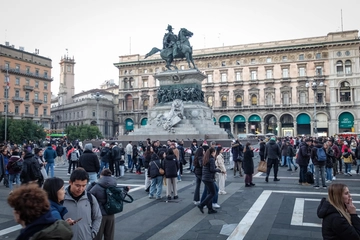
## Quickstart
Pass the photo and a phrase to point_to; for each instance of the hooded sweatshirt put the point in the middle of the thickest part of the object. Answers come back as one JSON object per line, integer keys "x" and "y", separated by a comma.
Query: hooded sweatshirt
{"x": 272, "y": 150}
{"x": 335, "y": 226}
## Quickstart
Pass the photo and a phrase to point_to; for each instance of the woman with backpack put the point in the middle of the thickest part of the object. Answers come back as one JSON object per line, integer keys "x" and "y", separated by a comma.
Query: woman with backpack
{"x": 14, "y": 168}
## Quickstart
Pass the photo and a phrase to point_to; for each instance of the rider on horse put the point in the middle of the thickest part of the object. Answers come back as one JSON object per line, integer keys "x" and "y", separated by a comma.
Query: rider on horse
{"x": 170, "y": 40}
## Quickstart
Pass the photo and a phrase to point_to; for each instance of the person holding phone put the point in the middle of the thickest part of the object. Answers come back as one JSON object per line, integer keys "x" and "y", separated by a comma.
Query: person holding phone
{"x": 340, "y": 220}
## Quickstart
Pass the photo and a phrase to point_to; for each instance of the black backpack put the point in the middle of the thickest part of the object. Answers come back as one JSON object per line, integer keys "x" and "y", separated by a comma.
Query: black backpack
{"x": 34, "y": 170}
{"x": 18, "y": 165}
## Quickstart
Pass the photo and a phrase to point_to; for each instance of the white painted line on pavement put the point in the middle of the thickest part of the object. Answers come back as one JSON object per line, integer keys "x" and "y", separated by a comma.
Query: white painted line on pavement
{"x": 298, "y": 214}
{"x": 245, "y": 224}
{"x": 10, "y": 230}
{"x": 258, "y": 174}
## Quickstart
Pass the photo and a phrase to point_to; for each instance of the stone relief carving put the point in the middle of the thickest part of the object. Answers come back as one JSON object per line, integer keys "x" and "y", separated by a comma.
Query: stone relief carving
{"x": 176, "y": 114}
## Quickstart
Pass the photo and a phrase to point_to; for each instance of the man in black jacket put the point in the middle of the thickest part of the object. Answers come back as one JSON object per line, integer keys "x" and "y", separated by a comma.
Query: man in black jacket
{"x": 116, "y": 157}
{"x": 303, "y": 158}
{"x": 272, "y": 154}
{"x": 90, "y": 162}
{"x": 104, "y": 157}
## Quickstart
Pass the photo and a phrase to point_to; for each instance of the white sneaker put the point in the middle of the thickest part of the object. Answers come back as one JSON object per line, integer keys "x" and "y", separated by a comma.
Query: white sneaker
{"x": 334, "y": 178}
{"x": 68, "y": 174}
{"x": 215, "y": 205}
{"x": 222, "y": 192}
{"x": 196, "y": 202}
{"x": 205, "y": 206}
{"x": 328, "y": 181}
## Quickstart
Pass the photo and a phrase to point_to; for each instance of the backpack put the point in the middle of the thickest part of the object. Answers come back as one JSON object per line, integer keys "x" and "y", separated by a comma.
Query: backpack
{"x": 115, "y": 200}
{"x": 321, "y": 155}
{"x": 309, "y": 177}
{"x": 18, "y": 165}
{"x": 74, "y": 156}
{"x": 34, "y": 170}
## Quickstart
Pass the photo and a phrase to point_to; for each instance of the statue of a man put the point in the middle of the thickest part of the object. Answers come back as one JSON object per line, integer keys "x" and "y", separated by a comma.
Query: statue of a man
{"x": 170, "y": 40}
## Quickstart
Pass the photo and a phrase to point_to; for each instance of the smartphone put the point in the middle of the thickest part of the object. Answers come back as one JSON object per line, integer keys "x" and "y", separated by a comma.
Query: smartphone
{"x": 77, "y": 220}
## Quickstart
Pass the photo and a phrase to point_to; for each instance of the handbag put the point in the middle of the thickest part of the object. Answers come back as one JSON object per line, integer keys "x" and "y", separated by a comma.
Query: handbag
{"x": 161, "y": 171}
{"x": 262, "y": 167}
{"x": 240, "y": 158}
{"x": 115, "y": 200}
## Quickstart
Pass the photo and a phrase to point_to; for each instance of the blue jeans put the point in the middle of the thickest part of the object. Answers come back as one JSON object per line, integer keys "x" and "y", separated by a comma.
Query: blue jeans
{"x": 283, "y": 160}
{"x": 311, "y": 168}
{"x": 357, "y": 165}
{"x": 156, "y": 186}
{"x": 197, "y": 188}
{"x": 347, "y": 167}
{"x": 290, "y": 161}
{"x": 319, "y": 172}
{"x": 329, "y": 174}
{"x": 11, "y": 180}
{"x": 205, "y": 193}
{"x": 211, "y": 193}
{"x": 92, "y": 177}
{"x": 130, "y": 162}
{"x": 51, "y": 167}
{"x": 103, "y": 165}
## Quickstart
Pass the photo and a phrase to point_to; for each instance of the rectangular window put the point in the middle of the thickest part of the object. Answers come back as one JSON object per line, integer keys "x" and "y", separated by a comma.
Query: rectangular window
{"x": 145, "y": 83}
{"x": 93, "y": 113}
{"x": 238, "y": 76}
{"x": 26, "y": 110}
{"x": 157, "y": 82}
{"x": 318, "y": 55}
{"x": 36, "y": 72}
{"x": 45, "y": 86}
{"x": 268, "y": 60}
{"x": 284, "y": 58}
{"x": 209, "y": 65}
{"x": 320, "y": 98}
{"x": 27, "y": 70}
{"x": 6, "y": 92}
{"x": 319, "y": 71}
{"x": 301, "y": 57}
{"x": 17, "y": 68}
{"x": 17, "y": 93}
{"x": 27, "y": 94}
{"x": 77, "y": 114}
{"x": 17, "y": 81}
{"x": 7, "y": 65}
{"x": 16, "y": 110}
{"x": 45, "y": 111}
{"x": 36, "y": 96}
{"x": 45, "y": 98}
{"x": 27, "y": 82}
{"x": 252, "y": 61}
{"x": 36, "y": 84}
{"x": 302, "y": 72}
{"x": 253, "y": 75}
{"x": 145, "y": 71}
{"x": 106, "y": 114}
{"x": 223, "y": 63}
{"x": 5, "y": 107}
{"x": 223, "y": 77}
{"x": 68, "y": 68}
{"x": 269, "y": 74}
{"x": 36, "y": 112}
{"x": 209, "y": 78}
{"x": 45, "y": 74}
{"x": 285, "y": 73}
{"x": 82, "y": 113}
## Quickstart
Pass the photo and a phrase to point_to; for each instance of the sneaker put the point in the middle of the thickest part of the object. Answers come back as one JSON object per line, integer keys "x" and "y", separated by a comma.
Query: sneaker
{"x": 324, "y": 187}
{"x": 306, "y": 184}
{"x": 222, "y": 192}
{"x": 151, "y": 197}
{"x": 276, "y": 179}
{"x": 290, "y": 170}
{"x": 168, "y": 197}
{"x": 205, "y": 206}
{"x": 349, "y": 174}
{"x": 176, "y": 197}
{"x": 334, "y": 178}
{"x": 252, "y": 184}
{"x": 296, "y": 168}
{"x": 158, "y": 198}
{"x": 68, "y": 174}
{"x": 196, "y": 203}
{"x": 215, "y": 205}
{"x": 316, "y": 187}
{"x": 328, "y": 181}
{"x": 211, "y": 211}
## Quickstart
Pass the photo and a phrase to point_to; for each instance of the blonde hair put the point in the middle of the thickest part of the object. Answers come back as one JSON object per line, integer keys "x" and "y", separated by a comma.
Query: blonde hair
{"x": 335, "y": 198}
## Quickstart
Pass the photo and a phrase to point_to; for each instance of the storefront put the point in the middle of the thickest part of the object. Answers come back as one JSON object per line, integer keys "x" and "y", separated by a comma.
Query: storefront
{"x": 322, "y": 124}
{"x": 224, "y": 122}
{"x": 144, "y": 121}
{"x": 254, "y": 124}
{"x": 346, "y": 122}
{"x": 129, "y": 125}
{"x": 240, "y": 126}
{"x": 303, "y": 124}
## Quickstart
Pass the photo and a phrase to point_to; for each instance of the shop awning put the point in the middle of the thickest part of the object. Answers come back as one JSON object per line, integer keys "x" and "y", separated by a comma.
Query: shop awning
{"x": 239, "y": 119}
{"x": 224, "y": 119}
{"x": 254, "y": 118}
{"x": 144, "y": 121}
{"x": 346, "y": 120}
{"x": 129, "y": 124}
{"x": 303, "y": 119}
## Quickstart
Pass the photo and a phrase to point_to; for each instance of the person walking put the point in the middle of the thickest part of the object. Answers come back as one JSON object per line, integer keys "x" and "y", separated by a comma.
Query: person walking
{"x": 208, "y": 178}
{"x": 73, "y": 158}
{"x": 248, "y": 164}
{"x": 290, "y": 156}
{"x": 198, "y": 163}
{"x": 50, "y": 156}
{"x": 59, "y": 153}
{"x": 303, "y": 158}
{"x": 129, "y": 151}
{"x": 104, "y": 157}
{"x": 90, "y": 162}
{"x": 171, "y": 167}
{"x": 272, "y": 156}
{"x": 238, "y": 156}
{"x": 14, "y": 168}
{"x": 329, "y": 162}
{"x": 219, "y": 162}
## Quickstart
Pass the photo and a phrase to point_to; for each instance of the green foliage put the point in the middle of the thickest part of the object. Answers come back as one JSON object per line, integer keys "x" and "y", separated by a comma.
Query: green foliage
{"x": 82, "y": 132}
{"x": 19, "y": 130}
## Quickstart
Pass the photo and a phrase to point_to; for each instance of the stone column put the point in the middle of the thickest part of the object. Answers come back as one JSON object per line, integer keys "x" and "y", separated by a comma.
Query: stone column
{"x": 295, "y": 128}
{"x": 247, "y": 127}
{"x": 232, "y": 127}
{"x": 262, "y": 124}
{"x": 279, "y": 129}
{"x": 312, "y": 128}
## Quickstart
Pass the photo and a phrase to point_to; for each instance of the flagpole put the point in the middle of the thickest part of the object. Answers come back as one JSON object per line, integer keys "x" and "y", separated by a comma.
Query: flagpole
{"x": 6, "y": 101}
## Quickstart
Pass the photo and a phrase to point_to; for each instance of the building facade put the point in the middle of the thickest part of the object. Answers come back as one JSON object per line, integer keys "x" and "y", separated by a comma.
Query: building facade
{"x": 26, "y": 91}
{"x": 288, "y": 88}
{"x": 93, "y": 107}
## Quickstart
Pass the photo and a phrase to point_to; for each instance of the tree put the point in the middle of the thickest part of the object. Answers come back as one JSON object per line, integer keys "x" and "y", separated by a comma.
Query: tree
{"x": 82, "y": 132}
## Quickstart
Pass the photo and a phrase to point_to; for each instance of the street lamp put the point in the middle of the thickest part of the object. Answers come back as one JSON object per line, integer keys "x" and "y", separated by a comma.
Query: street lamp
{"x": 314, "y": 86}
{"x": 6, "y": 101}
{"x": 97, "y": 97}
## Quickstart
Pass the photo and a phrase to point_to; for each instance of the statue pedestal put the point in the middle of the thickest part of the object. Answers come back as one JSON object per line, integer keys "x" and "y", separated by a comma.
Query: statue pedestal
{"x": 196, "y": 117}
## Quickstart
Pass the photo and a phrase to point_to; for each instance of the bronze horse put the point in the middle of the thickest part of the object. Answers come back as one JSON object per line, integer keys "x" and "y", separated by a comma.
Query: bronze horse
{"x": 184, "y": 50}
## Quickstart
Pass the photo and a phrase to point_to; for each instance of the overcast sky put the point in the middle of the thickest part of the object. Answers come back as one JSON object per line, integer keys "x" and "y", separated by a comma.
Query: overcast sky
{"x": 97, "y": 32}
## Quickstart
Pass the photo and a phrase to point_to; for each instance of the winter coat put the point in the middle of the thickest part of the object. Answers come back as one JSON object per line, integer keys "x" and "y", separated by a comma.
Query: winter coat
{"x": 49, "y": 155}
{"x": 116, "y": 153}
{"x": 198, "y": 166}
{"x": 219, "y": 163}
{"x": 248, "y": 163}
{"x": 290, "y": 151}
{"x": 11, "y": 163}
{"x": 91, "y": 216}
{"x": 193, "y": 149}
{"x": 329, "y": 158}
{"x": 262, "y": 149}
{"x": 59, "y": 150}
{"x": 105, "y": 154}
{"x": 272, "y": 150}
{"x": 209, "y": 170}
{"x": 25, "y": 175}
{"x": 46, "y": 227}
{"x": 235, "y": 151}
{"x": 284, "y": 149}
{"x": 89, "y": 161}
{"x": 129, "y": 149}
{"x": 147, "y": 159}
{"x": 304, "y": 154}
{"x": 336, "y": 151}
{"x": 57, "y": 210}
{"x": 314, "y": 157}
{"x": 2, "y": 165}
{"x": 154, "y": 166}
{"x": 335, "y": 226}
{"x": 171, "y": 166}
{"x": 181, "y": 154}
{"x": 99, "y": 191}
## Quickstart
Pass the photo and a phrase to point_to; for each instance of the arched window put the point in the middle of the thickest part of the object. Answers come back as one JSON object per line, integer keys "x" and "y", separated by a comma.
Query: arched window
{"x": 286, "y": 98}
{"x": 269, "y": 99}
{"x": 131, "y": 82}
{"x": 339, "y": 68}
{"x": 145, "y": 104}
{"x": 238, "y": 101}
{"x": 254, "y": 100}
{"x": 345, "y": 92}
{"x": 210, "y": 101}
{"x": 348, "y": 69}
{"x": 302, "y": 99}
{"x": 128, "y": 102}
{"x": 224, "y": 101}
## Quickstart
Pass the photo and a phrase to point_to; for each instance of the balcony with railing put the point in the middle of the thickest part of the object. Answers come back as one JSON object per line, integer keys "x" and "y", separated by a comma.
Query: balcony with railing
{"x": 25, "y": 73}
{"x": 28, "y": 88}
{"x": 37, "y": 101}
{"x": 18, "y": 99}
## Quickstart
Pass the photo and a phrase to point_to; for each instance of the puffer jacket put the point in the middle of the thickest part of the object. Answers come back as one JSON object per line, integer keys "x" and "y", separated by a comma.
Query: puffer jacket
{"x": 209, "y": 170}
{"x": 198, "y": 165}
{"x": 154, "y": 166}
{"x": 11, "y": 162}
{"x": 46, "y": 227}
{"x": 335, "y": 226}
{"x": 57, "y": 210}
{"x": 105, "y": 154}
{"x": 304, "y": 154}
{"x": 49, "y": 155}
{"x": 171, "y": 166}
{"x": 89, "y": 161}
{"x": 272, "y": 150}
{"x": 99, "y": 190}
